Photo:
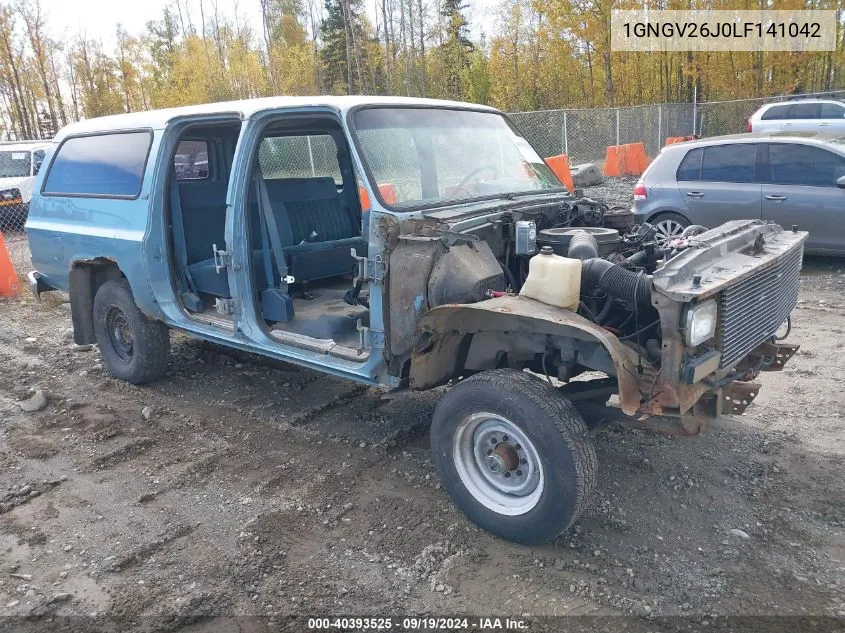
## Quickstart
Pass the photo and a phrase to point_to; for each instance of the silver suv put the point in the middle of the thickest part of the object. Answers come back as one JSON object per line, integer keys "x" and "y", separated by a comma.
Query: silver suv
{"x": 794, "y": 179}
{"x": 806, "y": 115}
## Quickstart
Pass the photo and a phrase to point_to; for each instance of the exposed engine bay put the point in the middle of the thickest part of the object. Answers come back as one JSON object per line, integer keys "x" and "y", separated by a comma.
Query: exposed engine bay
{"x": 566, "y": 286}
{"x": 488, "y": 257}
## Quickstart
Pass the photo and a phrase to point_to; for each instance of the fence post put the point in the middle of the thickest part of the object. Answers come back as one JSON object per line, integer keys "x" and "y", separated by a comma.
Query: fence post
{"x": 659, "y": 128}
{"x": 694, "y": 107}
{"x": 617, "y": 126}
{"x": 565, "y": 136}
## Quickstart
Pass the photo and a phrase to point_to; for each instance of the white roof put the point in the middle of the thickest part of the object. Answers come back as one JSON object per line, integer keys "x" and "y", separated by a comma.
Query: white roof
{"x": 22, "y": 146}
{"x": 799, "y": 101}
{"x": 158, "y": 119}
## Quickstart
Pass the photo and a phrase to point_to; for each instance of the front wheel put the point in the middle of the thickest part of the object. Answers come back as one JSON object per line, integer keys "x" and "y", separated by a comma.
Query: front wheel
{"x": 514, "y": 455}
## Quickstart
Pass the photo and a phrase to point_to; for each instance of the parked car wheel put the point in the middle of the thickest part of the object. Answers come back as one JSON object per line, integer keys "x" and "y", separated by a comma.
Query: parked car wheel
{"x": 134, "y": 348}
{"x": 514, "y": 455}
{"x": 669, "y": 225}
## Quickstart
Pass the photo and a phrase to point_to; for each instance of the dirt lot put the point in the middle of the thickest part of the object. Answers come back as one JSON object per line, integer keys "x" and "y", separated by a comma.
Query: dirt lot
{"x": 239, "y": 486}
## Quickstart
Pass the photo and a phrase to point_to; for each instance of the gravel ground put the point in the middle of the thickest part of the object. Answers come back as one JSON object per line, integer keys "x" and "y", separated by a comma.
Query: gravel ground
{"x": 240, "y": 486}
{"x": 616, "y": 192}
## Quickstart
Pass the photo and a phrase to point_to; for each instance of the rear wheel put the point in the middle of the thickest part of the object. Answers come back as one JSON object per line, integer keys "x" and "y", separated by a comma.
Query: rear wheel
{"x": 514, "y": 455}
{"x": 669, "y": 225}
{"x": 134, "y": 348}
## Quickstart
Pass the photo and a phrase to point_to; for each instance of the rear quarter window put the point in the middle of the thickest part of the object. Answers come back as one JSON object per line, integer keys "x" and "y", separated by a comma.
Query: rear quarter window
{"x": 103, "y": 165}
{"x": 690, "y": 167}
{"x": 775, "y": 113}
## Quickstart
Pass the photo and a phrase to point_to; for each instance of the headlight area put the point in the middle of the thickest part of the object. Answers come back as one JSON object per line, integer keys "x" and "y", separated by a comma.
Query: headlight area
{"x": 699, "y": 326}
{"x": 700, "y": 322}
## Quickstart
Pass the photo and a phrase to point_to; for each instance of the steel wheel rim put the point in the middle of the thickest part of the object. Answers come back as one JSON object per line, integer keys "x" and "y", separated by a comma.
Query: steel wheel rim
{"x": 497, "y": 464}
{"x": 668, "y": 229}
{"x": 119, "y": 333}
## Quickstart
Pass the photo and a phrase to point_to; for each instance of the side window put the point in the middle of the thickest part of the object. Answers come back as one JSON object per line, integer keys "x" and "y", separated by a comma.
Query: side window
{"x": 690, "y": 167}
{"x": 729, "y": 163}
{"x": 37, "y": 161}
{"x": 804, "y": 111}
{"x": 191, "y": 160}
{"x": 105, "y": 165}
{"x": 804, "y": 165}
{"x": 312, "y": 156}
{"x": 832, "y": 111}
{"x": 775, "y": 113}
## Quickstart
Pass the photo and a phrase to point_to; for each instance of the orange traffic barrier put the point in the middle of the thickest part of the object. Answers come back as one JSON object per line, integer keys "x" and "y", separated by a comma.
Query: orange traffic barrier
{"x": 560, "y": 166}
{"x": 635, "y": 159}
{"x": 671, "y": 140}
{"x": 613, "y": 162}
{"x": 625, "y": 160}
{"x": 365, "y": 198}
{"x": 8, "y": 277}
{"x": 388, "y": 193}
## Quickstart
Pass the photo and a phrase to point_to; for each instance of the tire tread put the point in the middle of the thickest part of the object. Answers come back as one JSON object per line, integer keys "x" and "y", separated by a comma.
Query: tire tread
{"x": 152, "y": 360}
{"x": 556, "y": 407}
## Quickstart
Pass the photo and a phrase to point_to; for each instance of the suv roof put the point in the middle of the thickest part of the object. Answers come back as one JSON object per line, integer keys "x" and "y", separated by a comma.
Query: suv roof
{"x": 807, "y": 138}
{"x": 798, "y": 100}
{"x": 245, "y": 108}
{"x": 791, "y": 102}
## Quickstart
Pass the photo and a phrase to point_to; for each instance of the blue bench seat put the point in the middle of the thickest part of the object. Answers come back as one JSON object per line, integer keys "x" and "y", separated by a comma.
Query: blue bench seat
{"x": 317, "y": 231}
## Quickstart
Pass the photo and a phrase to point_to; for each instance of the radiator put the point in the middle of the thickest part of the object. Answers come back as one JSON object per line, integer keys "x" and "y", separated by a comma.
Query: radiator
{"x": 751, "y": 311}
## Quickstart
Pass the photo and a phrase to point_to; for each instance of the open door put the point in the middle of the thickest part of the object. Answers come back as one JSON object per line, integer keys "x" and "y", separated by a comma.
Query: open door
{"x": 197, "y": 183}
{"x": 304, "y": 221}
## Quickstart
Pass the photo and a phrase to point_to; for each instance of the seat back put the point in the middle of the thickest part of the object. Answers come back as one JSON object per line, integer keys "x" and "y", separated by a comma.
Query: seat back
{"x": 204, "y": 216}
{"x": 315, "y": 211}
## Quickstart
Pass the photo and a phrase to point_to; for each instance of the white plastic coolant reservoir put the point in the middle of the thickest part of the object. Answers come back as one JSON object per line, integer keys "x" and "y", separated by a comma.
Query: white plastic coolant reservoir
{"x": 553, "y": 279}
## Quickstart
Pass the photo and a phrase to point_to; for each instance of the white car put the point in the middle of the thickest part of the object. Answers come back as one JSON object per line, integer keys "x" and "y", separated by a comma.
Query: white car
{"x": 19, "y": 164}
{"x": 805, "y": 115}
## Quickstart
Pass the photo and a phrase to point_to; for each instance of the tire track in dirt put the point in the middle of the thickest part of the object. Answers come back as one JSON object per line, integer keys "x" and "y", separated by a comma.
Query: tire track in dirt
{"x": 244, "y": 493}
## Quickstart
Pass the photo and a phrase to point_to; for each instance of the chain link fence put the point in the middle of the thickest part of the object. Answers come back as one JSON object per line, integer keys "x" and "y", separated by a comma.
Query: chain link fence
{"x": 12, "y": 220}
{"x": 19, "y": 164}
{"x": 585, "y": 134}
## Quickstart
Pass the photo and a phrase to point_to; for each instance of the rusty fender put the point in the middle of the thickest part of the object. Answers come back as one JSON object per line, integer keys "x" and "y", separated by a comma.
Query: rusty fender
{"x": 435, "y": 359}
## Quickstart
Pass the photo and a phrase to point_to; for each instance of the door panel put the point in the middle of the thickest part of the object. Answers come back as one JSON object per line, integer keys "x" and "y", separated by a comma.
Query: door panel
{"x": 800, "y": 189}
{"x": 725, "y": 188}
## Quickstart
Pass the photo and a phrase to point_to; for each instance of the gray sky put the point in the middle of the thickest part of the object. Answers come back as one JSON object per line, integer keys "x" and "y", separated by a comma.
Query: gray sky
{"x": 99, "y": 18}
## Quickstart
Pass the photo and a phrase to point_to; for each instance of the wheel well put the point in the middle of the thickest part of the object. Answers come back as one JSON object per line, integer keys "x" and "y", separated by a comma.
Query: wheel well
{"x": 85, "y": 279}
{"x": 519, "y": 333}
{"x": 655, "y": 217}
{"x": 455, "y": 354}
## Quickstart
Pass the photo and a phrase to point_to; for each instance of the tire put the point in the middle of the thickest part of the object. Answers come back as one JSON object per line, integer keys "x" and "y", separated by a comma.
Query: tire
{"x": 134, "y": 348}
{"x": 667, "y": 223}
{"x": 540, "y": 428}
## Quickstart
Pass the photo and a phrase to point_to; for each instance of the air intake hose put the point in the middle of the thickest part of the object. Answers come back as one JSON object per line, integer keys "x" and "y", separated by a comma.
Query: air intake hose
{"x": 614, "y": 280}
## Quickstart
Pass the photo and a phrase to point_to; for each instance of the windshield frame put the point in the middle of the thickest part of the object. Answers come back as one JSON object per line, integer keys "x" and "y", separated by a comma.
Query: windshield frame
{"x": 443, "y": 202}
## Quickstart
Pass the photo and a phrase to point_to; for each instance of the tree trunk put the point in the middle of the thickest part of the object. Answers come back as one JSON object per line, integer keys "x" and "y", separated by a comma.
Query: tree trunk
{"x": 17, "y": 92}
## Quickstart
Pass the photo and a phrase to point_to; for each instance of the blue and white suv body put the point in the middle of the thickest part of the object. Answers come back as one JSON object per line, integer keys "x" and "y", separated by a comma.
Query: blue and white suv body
{"x": 389, "y": 241}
